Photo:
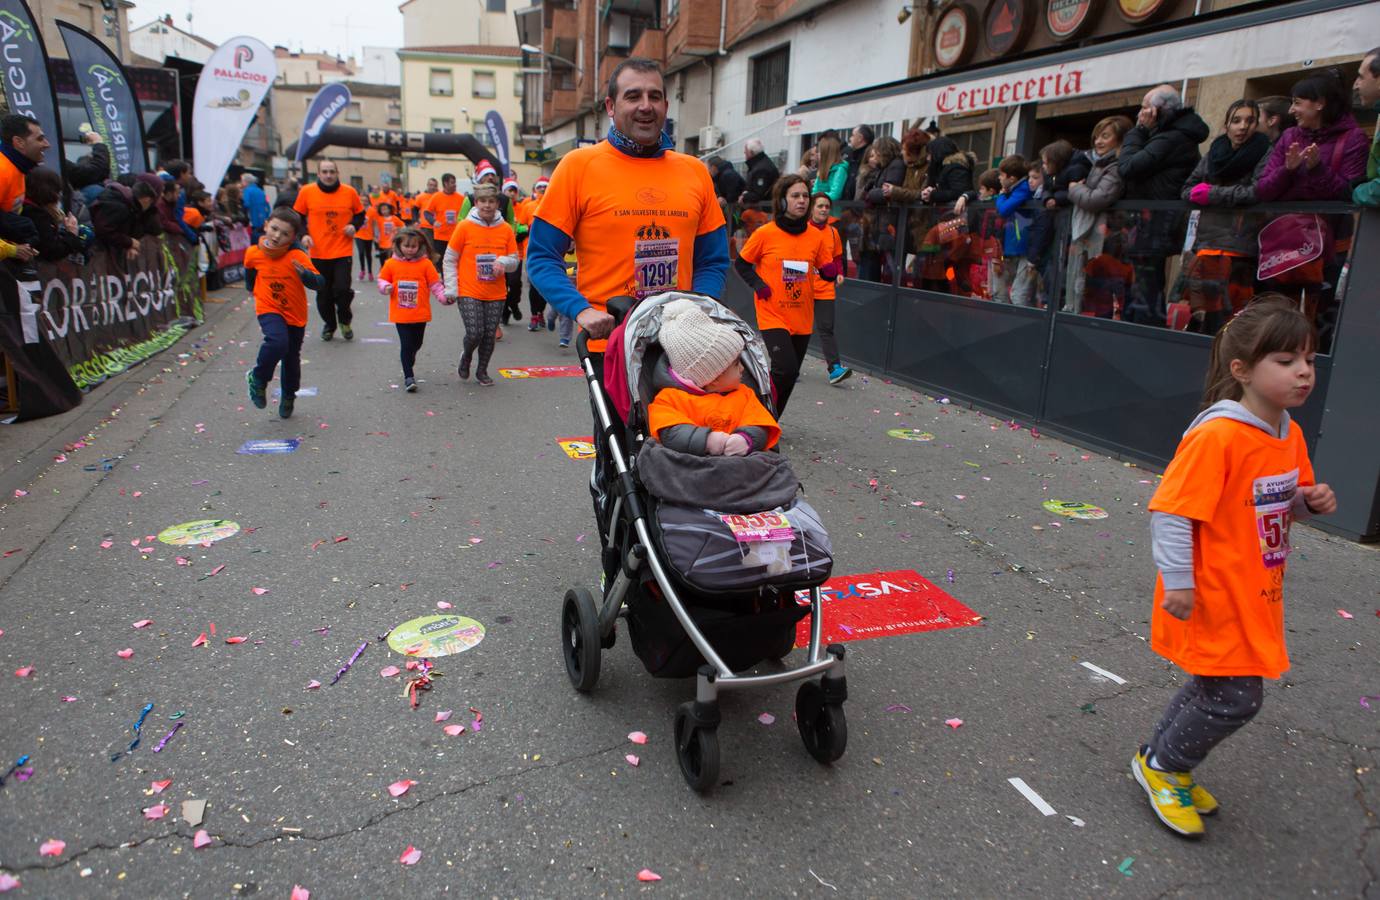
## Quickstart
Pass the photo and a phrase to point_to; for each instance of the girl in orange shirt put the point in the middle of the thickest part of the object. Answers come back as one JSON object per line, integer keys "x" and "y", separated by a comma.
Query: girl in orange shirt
{"x": 480, "y": 251}
{"x": 386, "y": 228}
{"x": 409, "y": 280}
{"x": 826, "y": 289}
{"x": 779, "y": 262}
{"x": 364, "y": 242}
{"x": 1220, "y": 523}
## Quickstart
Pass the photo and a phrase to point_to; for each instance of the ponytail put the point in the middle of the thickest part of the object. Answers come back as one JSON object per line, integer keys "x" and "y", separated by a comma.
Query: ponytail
{"x": 1270, "y": 323}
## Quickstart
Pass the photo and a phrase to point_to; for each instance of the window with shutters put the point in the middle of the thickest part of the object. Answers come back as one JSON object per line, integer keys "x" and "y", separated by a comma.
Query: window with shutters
{"x": 442, "y": 126}
{"x": 485, "y": 86}
{"x": 442, "y": 83}
{"x": 768, "y": 83}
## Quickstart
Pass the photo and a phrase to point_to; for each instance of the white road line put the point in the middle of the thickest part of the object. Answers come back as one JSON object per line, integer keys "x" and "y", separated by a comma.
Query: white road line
{"x": 1103, "y": 672}
{"x": 1035, "y": 799}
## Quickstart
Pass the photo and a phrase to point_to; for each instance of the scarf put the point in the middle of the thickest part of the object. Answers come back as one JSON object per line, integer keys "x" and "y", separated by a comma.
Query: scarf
{"x": 625, "y": 144}
{"x": 328, "y": 190}
{"x": 791, "y": 226}
{"x": 21, "y": 162}
{"x": 1227, "y": 165}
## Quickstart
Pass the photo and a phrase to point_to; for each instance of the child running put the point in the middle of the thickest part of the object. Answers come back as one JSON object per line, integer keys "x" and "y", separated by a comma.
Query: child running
{"x": 1220, "y": 528}
{"x": 702, "y": 406}
{"x": 278, "y": 273}
{"x": 386, "y": 227}
{"x": 409, "y": 280}
{"x": 480, "y": 250}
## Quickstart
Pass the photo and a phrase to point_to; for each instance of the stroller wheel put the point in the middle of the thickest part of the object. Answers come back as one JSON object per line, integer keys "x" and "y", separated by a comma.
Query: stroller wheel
{"x": 822, "y": 725}
{"x": 697, "y": 750}
{"x": 580, "y": 639}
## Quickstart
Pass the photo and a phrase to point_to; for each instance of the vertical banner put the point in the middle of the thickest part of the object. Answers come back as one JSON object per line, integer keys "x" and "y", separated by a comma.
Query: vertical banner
{"x": 28, "y": 89}
{"x": 328, "y": 103}
{"x": 109, "y": 97}
{"x": 232, "y": 85}
{"x": 498, "y": 133}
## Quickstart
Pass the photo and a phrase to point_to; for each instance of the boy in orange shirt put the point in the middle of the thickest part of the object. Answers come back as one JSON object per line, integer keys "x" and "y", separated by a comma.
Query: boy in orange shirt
{"x": 1220, "y": 538}
{"x": 702, "y": 406}
{"x": 481, "y": 249}
{"x": 278, "y": 274}
{"x": 409, "y": 280}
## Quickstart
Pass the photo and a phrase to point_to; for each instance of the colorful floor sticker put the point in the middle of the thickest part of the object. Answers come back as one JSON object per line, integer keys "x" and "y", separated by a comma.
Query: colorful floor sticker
{"x": 1073, "y": 510}
{"x": 910, "y": 434}
{"x": 542, "y": 372}
{"x": 277, "y": 445}
{"x": 202, "y": 531}
{"x": 431, "y": 636}
{"x": 577, "y": 447}
{"x": 883, "y": 604}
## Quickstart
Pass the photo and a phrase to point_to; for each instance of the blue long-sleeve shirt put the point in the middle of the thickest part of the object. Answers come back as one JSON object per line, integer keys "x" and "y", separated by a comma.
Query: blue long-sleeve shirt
{"x": 256, "y": 204}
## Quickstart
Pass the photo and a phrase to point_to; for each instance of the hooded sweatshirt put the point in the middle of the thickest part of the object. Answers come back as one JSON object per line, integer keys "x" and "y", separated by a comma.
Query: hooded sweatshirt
{"x": 477, "y": 255}
{"x": 1220, "y": 527}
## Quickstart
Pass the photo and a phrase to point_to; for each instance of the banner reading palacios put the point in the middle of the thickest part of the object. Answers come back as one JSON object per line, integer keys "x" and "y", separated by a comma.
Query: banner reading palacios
{"x": 229, "y": 90}
{"x": 106, "y": 316}
{"x": 109, "y": 98}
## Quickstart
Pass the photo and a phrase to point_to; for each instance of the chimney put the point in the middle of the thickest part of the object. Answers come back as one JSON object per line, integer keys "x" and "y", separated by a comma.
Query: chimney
{"x": 167, "y": 19}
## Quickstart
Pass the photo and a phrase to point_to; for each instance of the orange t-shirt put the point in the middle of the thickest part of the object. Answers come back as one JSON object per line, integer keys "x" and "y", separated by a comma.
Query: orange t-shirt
{"x": 1237, "y": 484}
{"x": 277, "y": 286}
{"x": 193, "y": 217}
{"x": 393, "y": 199}
{"x": 634, "y": 220}
{"x": 446, "y": 208}
{"x": 825, "y": 289}
{"x": 419, "y": 204}
{"x": 384, "y": 229}
{"x": 11, "y": 186}
{"x": 327, "y": 216}
{"x": 739, "y": 408}
{"x": 412, "y": 281}
{"x": 787, "y": 263}
{"x": 522, "y": 214}
{"x": 365, "y": 232}
{"x": 477, "y": 272}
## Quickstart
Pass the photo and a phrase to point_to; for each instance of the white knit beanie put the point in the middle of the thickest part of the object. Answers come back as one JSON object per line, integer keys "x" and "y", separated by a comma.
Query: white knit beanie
{"x": 698, "y": 348}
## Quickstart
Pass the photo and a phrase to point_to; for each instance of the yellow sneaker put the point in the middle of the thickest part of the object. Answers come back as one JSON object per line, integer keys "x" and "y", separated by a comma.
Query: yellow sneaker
{"x": 1205, "y": 803}
{"x": 1170, "y": 797}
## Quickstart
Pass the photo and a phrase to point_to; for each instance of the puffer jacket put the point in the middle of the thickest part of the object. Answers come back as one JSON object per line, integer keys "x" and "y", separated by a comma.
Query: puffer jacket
{"x": 1155, "y": 163}
{"x": 954, "y": 178}
{"x": 1099, "y": 190}
{"x": 1326, "y": 181}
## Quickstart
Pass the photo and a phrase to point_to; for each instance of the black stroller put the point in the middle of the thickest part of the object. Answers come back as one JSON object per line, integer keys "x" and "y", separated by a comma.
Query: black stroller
{"x": 695, "y": 602}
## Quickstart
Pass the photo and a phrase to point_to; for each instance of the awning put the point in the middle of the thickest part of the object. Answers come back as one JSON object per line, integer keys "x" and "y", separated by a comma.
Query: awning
{"x": 1282, "y": 40}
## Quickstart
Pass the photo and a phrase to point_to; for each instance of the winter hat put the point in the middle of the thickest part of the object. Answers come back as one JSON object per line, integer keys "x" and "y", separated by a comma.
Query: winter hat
{"x": 541, "y": 184}
{"x": 484, "y": 168}
{"x": 698, "y": 348}
{"x": 511, "y": 183}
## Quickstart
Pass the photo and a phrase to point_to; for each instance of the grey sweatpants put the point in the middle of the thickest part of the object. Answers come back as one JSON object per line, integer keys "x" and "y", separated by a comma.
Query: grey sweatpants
{"x": 1206, "y": 710}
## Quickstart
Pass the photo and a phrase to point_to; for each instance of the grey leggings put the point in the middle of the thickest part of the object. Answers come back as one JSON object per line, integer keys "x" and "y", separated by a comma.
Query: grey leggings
{"x": 481, "y": 319}
{"x": 1205, "y": 711}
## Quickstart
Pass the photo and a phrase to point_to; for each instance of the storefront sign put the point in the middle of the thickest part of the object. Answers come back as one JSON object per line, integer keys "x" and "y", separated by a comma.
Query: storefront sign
{"x": 1066, "y": 19}
{"x": 1006, "y": 25}
{"x": 882, "y": 604}
{"x": 954, "y": 36}
{"x": 1138, "y": 12}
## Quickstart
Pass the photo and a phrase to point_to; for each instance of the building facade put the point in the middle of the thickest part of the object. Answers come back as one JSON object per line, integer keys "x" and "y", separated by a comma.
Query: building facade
{"x": 299, "y": 68}
{"x": 161, "y": 39}
{"x": 109, "y": 25}
{"x": 371, "y": 106}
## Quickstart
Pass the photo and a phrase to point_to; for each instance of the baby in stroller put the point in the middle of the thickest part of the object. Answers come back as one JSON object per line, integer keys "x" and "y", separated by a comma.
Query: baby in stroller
{"x": 701, "y": 404}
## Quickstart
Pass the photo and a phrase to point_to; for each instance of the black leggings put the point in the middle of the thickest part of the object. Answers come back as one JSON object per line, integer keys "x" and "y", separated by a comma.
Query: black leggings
{"x": 787, "y": 352}
{"x": 366, "y": 254}
{"x": 513, "y": 302}
{"x": 333, "y": 300}
{"x": 410, "y": 335}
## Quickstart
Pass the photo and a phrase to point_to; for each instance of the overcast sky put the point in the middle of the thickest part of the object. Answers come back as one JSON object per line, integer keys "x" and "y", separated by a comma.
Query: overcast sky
{"x": 311, "y": 25}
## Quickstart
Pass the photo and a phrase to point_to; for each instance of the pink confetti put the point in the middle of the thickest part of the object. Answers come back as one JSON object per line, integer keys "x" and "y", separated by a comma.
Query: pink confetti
{"x": 23, "y": 671}
{"x": 476, "y": 540}
{"x": 201, "y": 839}
{"x": 960, "y": 496}
{"x": 443, "y": 715}
{"x": 125, "y": 653}
{"x": 648, "y": 875}
{"x": 300, "y": 893}
{"x": 217, "y": 570}
{"x": 236, "y": 640}
{"x": 953, "y": 723}
{"x": 157, "y": 811}
{"x": 430, "y": 413}
{"x": 398, "y": 788}
{"x": 766, "y": 718}
{"x": 443, "y": 604}
{"x": 69, "y": 699}
{"x": 410, "y": 856}
{"x": 159, "y": 787}
{"x": 145, "y": 549}
{"x": 106, "y": 545}
{"x": 454, "y": 730}
{"x": 259, "y": 591}
{"x": 200, "y": 641}
{"x": 18, "y": 493}
{"x": 389, "y": 671}
{"x": 637, "y": 737}
{"x": 143, "y": 623}
{"x": 495, "y": 564}
{"x": 1344, "y": 614}
{"x": 183, "y": 561}
{"x": 52, "y": 847}
{"x": 313, "y": 684}
{"x": 7, "y": 882}
{"x": 633, "y": 759}
{"x": 134, "y": 543}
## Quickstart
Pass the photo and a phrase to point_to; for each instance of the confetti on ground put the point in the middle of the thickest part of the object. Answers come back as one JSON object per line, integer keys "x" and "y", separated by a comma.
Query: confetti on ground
{"x": 443, "y": 714}
{"x": 260, "y": 591}
{"x": 1125, "y": 867}
{"x": 300, "y": 893}
{"x": 1111, "y": 676}
{"x": 632, "y": 759}
{"x": 201, "y": 839}
{"x": 410, "y": 856}
{"x": 1344, "y": 614}
{"x": 125, "y": 653}
{"x": 1035, "y": 799}
{"x": 143, "y": 623}
{"x": 236, "y": 640}
{"x": 52, "y": 847}
{"x": 637, "y": 737}
{"x": 648, "y": 875}
{"x": 398, "y": 788}
{"x": 454, "y": 730}
{"x": 953, "y": 723}
{"x": 898, "y": 707}
{"x": 200, "y": 641}
{"x": 157, "y": 811}
{"x": 766, "y": 718}
{"x": 389, "y": 671}
{"x": 24, "y": 671}
{"x": 159, "y": 787}
{"x": 7, "y": 882}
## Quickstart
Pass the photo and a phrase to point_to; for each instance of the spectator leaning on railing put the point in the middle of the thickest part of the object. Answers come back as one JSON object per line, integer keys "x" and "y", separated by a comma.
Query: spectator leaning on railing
{"x": 59, "y": 235}
{"x": 1368, "y": 89}
{"x": 761, "y": 173}
{"x": 23, "y": 146}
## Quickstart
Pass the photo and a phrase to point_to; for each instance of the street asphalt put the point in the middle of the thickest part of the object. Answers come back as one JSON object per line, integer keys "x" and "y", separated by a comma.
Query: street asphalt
{"x": 394, "y": 503}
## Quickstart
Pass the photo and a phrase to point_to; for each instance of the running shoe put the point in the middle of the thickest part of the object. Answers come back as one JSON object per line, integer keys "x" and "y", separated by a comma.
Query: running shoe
{"x": 258, "y": 391}
{"x": 565, "y": 345}
{"x": 285, "y": 407}
{"x": 1205, "y": 803}
{"x": 535, "y": 324}
{"x": 347, "y": 332}
{"x": 484, "y": 379}
{"x": 327, "y": 333}
{"x": 410, "y": 384}
{"x": 838, "y": 373}
{"x": 1170, "y": 794}
{"x": 362, "y": 276}
{"x": 550, "y": 323}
